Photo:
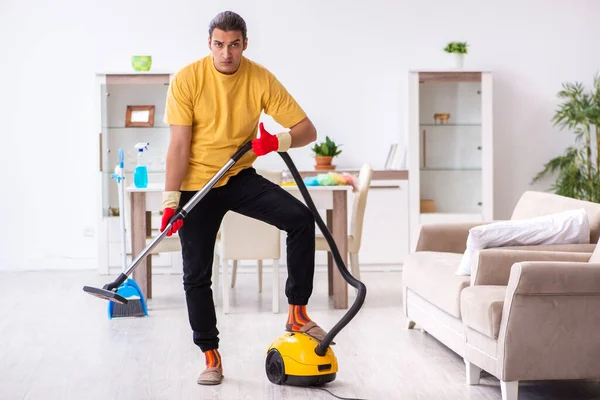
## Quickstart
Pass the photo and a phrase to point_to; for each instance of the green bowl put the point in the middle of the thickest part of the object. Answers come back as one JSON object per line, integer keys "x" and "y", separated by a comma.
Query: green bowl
{"x": 141, "y": 63}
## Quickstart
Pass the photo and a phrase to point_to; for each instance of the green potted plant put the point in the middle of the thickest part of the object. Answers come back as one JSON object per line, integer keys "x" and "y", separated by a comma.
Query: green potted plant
{"x": 324, "y": 153}
{"x": 458, "y": 50}
{"x": 578, "y": 170}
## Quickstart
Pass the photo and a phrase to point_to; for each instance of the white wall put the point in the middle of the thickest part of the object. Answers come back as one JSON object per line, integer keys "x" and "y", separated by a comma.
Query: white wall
{"x": 346, "y": 62}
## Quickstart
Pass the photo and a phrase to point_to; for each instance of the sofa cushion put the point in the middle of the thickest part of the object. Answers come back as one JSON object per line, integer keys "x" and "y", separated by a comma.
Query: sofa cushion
{"x": 481, "y": 308}
{"x": 430, "y": 274}
{"x": 565, "y": 227}
{"x": 535, "y": 204}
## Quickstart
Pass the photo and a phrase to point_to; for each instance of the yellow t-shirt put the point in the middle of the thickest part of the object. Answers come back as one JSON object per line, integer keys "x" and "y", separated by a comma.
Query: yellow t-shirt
{"x": 224, "y": 112}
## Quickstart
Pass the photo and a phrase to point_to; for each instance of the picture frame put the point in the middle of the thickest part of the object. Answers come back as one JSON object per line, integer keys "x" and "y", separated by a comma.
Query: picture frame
{"x": 139, "y": 116}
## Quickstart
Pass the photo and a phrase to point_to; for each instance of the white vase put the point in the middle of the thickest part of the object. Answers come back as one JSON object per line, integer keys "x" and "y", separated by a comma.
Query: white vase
{"x": 458, "y": 60}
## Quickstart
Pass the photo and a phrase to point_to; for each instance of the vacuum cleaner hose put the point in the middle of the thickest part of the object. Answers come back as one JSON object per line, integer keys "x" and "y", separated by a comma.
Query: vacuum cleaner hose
{"x": 362, "y": 289}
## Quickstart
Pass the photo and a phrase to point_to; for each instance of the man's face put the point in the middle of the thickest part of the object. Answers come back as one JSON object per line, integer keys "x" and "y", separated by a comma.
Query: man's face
{"x": 227, "y": 49}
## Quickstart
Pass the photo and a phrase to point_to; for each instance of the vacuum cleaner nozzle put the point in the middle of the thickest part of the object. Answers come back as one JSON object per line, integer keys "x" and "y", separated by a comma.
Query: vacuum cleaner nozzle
{"x": 105, "y": 294}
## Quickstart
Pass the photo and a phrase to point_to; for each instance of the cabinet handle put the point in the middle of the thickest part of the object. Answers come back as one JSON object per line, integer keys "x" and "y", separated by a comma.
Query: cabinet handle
{"x": 478, "y": 147}
{"x": 100, "y": 148}
{"x": 385, "y": 187}
{"x": 424, "y": 148}
{"x": 480, "y": 203}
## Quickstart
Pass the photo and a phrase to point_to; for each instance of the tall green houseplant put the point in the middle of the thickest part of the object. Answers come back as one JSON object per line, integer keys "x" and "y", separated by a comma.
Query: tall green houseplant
{"x": 578, "y": 169}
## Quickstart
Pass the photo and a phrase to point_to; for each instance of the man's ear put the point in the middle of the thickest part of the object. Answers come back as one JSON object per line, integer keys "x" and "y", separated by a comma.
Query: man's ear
{"x": 209, "y": 40}
{"x": 245, "y": 43}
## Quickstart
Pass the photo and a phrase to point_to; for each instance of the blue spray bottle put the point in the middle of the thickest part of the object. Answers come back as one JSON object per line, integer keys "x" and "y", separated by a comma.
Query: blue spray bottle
{"x": 140, "y": 175}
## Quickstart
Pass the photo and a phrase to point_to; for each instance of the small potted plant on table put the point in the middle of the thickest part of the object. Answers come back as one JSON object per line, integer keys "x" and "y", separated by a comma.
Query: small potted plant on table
{"x": 458, "y": 50}
{"x": 324, "y": 153}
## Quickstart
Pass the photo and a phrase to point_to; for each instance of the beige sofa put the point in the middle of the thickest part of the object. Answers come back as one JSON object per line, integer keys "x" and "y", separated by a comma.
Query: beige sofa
{"x": 512, "y": 317}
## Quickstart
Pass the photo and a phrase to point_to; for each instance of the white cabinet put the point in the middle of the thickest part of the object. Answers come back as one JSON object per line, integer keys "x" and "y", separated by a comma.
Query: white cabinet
{"x": 115, "y": 92}
{"x": 450, "y": 147}
{"x": 385, "y": 238}
{"x": 385, "y": 231}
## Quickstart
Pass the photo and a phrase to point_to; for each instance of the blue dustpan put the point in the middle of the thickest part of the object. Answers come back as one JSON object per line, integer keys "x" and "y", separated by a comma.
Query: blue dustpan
{"x": 136, "y": 306}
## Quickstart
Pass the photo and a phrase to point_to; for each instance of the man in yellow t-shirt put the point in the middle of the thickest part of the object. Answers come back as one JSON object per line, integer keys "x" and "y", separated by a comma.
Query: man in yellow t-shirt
{"x": 213, "y": 107}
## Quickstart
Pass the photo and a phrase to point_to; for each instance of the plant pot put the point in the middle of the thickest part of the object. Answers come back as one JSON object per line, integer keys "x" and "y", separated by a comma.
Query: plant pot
{"x": 141, "y": 63}
{"x": 458, "y": 60}
{"x": 323, "y": 163}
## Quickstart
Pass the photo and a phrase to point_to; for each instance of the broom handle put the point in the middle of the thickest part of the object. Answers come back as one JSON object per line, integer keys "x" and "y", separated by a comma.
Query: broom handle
{"x": 122, "y": 221}
{"x": 121, "y": 186}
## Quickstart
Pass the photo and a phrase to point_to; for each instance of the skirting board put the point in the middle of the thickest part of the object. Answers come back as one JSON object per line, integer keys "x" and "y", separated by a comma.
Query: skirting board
{"x": 70, "y": 264}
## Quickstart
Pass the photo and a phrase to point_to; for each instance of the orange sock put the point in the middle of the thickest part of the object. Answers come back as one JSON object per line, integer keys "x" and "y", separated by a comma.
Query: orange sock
{"x": 297, "y": 318}
{"x": 213, "y": 359}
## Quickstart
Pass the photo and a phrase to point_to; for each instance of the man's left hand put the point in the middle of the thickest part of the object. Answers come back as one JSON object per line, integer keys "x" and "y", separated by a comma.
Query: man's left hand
{"x": 266, "y": 143}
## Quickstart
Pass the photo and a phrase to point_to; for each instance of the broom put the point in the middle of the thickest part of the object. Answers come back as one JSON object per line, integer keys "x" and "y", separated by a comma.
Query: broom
{"x": 135, "y": 306}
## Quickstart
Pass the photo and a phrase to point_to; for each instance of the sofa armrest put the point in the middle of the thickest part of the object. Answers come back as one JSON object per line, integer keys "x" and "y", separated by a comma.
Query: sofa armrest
{"x": 555, "y": 278}
{"x": 445, "y": 237}
{"x": 493, "y": 266}
{"x": 550, "y": 319}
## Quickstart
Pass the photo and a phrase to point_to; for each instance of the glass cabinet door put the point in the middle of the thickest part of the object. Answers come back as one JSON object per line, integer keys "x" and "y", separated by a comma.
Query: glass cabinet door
{"x": 450, "y": 156}
{"x": 118, "y": 133}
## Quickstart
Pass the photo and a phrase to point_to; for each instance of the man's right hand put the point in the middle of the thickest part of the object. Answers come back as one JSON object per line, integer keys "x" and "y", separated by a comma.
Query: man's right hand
{"x": 170, "y": 203}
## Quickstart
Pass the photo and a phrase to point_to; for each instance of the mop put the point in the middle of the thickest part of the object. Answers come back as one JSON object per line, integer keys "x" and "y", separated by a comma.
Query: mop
{"x": 135, "y": 306}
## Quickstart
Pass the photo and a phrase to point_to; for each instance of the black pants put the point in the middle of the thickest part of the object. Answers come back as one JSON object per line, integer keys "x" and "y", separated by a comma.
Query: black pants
{"x": 252, "y": 195}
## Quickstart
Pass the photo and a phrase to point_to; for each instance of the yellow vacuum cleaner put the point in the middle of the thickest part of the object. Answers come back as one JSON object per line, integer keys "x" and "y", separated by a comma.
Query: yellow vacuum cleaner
{"x": 294, "y": 358}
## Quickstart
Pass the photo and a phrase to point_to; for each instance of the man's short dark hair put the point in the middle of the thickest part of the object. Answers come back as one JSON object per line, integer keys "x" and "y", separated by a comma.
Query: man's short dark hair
{"x": 228, "y": 21}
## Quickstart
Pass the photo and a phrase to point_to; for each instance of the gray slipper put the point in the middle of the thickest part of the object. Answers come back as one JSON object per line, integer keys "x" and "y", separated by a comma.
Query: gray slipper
{"x": 210, "y": 376}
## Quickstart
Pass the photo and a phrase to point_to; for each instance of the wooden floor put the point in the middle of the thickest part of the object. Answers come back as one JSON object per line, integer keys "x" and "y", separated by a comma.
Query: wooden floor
{"x": 56, "y": 342}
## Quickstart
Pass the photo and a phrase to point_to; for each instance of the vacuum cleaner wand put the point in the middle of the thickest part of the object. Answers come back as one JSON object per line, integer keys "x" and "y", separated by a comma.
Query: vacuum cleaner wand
{"x": 108, "y": 291}
{"x": 321, "y": 349}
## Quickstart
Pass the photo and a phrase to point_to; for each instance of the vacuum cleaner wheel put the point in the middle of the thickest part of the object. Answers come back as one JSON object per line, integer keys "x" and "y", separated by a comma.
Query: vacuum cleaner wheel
{"x": 105, "y": 294}
{"x": 275, "y": 368}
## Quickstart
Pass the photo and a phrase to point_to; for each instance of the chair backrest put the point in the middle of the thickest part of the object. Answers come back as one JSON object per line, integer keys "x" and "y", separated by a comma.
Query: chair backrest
{"x": 245, "y": 238}
{"x": 360, "y": 203}
{"x": 536, "y": 204}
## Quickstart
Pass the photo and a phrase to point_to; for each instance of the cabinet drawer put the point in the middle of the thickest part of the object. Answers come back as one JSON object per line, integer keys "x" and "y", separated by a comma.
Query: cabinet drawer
{"x": 114, "y": 230}
{"x": 385, "y": 235}
{"x": 161, "y": 260}
{"x": 114, "y": 254}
